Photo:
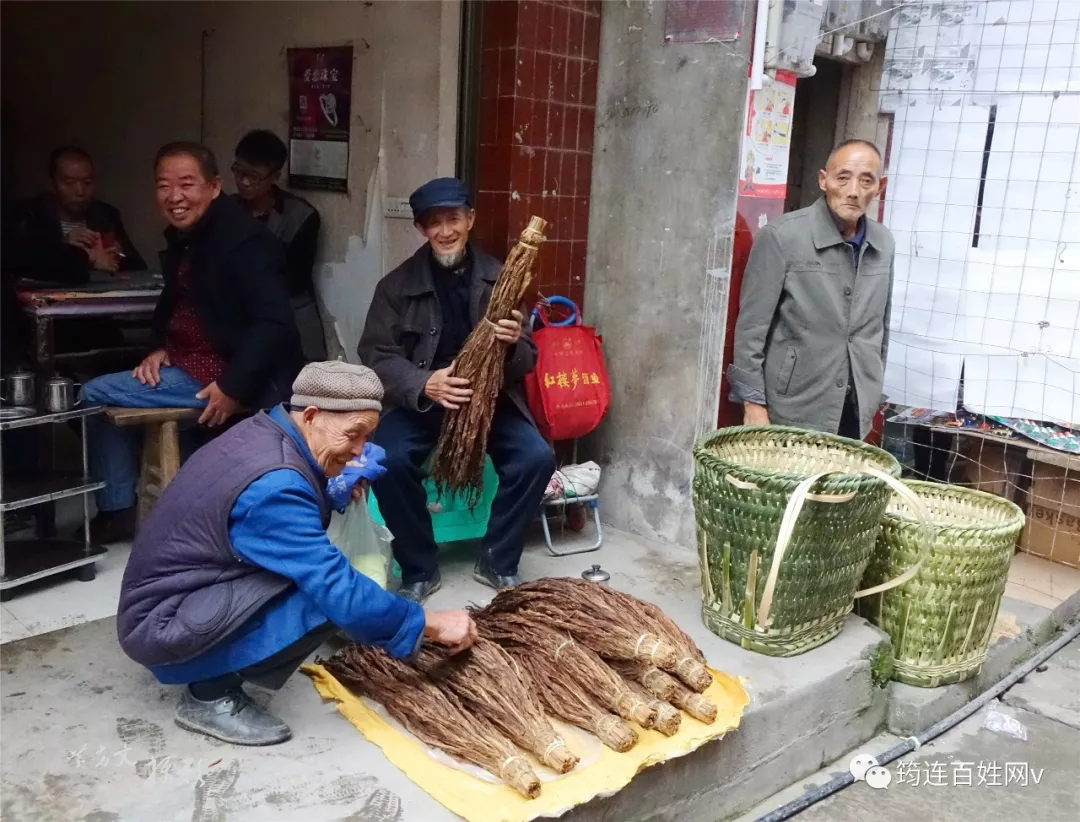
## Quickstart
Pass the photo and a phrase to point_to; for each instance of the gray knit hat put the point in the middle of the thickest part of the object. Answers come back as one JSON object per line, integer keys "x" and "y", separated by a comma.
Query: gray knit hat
{"x": 337, "y": 386}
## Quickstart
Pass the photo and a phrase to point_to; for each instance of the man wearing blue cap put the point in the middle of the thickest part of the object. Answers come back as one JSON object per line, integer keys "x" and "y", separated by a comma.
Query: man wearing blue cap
{"x": 420, "y": 316}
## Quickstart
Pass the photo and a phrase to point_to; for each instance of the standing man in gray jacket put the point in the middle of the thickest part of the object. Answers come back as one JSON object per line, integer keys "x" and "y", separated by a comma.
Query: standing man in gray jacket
{"x": 813, "y": 327}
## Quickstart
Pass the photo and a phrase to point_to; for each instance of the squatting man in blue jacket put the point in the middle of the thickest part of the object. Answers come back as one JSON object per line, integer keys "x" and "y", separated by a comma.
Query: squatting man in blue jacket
{"x": 232, "y": 578}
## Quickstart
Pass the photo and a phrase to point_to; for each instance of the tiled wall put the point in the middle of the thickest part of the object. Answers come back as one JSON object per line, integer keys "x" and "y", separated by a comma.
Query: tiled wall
{"x": 538, "y": 73}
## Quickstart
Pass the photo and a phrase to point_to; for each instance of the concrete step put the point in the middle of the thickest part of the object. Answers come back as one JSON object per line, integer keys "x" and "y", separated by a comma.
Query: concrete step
{"x": 1022, "y": 628}
{"x": 805, "y": 711}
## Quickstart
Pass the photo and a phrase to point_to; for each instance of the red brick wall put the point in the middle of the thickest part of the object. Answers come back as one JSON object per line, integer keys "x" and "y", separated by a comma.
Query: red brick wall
{"x": 537, "y": 113}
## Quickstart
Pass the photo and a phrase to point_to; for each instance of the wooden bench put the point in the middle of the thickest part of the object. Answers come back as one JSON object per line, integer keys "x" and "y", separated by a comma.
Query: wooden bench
{"x": 161, "y": 447}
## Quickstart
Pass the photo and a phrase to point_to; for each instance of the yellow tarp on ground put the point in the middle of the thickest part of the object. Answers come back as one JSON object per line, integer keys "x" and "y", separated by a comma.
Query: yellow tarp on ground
{"x": 479, "y": 801}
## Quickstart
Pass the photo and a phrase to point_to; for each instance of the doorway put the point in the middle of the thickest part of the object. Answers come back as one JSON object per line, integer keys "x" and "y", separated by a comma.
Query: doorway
{"x": 813, "y": 130}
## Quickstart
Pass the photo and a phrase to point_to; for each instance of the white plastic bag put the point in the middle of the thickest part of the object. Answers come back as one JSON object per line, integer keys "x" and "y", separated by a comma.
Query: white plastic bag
{"x": 363, "y": 541}
{"x": 573, "y": 481}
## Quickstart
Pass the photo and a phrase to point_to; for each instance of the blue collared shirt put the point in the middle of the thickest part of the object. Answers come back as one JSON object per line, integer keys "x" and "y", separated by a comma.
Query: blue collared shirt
{"x": 860, "y": 235}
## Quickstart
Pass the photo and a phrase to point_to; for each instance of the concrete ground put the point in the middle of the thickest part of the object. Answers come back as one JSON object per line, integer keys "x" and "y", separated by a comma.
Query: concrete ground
{"x": 89, "y": 736}
{"x": 972, "y": 772}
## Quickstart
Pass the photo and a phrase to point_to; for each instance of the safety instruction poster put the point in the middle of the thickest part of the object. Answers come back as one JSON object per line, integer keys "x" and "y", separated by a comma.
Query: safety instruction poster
{"x": 767, "y": 140}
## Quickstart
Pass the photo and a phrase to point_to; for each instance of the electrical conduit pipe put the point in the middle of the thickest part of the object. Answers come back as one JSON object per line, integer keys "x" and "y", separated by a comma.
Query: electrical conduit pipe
{"x": 913, "y": 743}
{"x": 757, "y": 62}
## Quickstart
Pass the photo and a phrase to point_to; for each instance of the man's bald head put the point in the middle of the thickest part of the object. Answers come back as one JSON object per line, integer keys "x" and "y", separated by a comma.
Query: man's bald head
{"x": 847, "y": 145}
{"x": 851, "y": 179}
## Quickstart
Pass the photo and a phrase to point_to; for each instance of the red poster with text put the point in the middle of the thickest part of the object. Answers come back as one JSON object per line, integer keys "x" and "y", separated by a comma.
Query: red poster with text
{"x": 767, "y": 138}
{"x": 320, "y": 98}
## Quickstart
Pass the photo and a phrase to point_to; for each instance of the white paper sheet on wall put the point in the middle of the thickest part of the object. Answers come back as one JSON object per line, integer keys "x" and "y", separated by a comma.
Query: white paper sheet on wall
{"x": 1005, "y": 307}
{"x": 1034, "y": 386}
{"x": 918, "y": 376}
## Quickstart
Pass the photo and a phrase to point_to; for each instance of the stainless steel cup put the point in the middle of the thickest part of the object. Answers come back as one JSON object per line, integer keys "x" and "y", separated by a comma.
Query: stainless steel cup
{"x": 60, "y": 395}
{"x": 20, "y": 389}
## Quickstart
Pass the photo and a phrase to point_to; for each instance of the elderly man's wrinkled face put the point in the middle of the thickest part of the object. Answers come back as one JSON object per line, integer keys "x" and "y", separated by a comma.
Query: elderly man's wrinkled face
{"x": 447, "y": 229}
{"x": 335, "y": 437}
{"x": 850, "y": 180}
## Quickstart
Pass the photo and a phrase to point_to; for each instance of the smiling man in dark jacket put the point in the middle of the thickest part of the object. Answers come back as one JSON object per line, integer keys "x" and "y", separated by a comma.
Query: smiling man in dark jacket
{"x": 224, "y": 329}
{"x": 419, "y": 318}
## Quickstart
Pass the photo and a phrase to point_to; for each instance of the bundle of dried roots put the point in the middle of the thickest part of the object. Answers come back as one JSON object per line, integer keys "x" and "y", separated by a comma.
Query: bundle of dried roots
{"x": 432, "y": 715}
{"x": 489, "y": 682}
{"x": 694, "y": 704}
{"x": 592, "y": 618}
{"x": 668, "y": 719}
{"x": 653, "y": 680}
{"x": 690, "y": 666}
{"x": 458, "y": 464}
{"x": 562, "y": 695}
{"x": 522, "y": 633}
{"x": 667, "y": 688}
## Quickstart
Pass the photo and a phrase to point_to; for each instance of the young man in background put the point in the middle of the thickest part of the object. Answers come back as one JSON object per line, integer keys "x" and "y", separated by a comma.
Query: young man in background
{"x": 260, "y": 157}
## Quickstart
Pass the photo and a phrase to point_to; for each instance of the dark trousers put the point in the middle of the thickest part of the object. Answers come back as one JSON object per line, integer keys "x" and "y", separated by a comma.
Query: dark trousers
{"x": 269, "y": 673}
{"x": 849, "y": 418}
{"x": 522, "y": 459}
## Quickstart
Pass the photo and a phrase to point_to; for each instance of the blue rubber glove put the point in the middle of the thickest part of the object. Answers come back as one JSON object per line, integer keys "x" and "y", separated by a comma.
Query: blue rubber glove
{"x": 368, "y": 467}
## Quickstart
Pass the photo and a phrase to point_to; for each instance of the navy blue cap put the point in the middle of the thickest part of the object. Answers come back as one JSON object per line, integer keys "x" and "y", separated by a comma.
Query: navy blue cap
{"x": 445, "y": 192}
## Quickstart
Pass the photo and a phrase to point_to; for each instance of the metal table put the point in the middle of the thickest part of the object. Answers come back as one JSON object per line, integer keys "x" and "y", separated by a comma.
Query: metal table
{"x": 37, "y": 558}
{"x": 132, "y": 297}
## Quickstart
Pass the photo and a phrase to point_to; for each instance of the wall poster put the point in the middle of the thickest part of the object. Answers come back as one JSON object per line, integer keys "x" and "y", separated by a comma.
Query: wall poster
{"x": 767, "y": 140}
{"x": 320, "y": 97}
{"x": 702, "y": 21}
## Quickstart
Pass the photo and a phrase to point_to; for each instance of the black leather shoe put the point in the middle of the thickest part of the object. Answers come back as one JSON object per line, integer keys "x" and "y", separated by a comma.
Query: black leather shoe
{"x": 492, "y": 580}
{"x": 419, "y": 591}
{"x": 234, "y": 718}
{"x": 112, "y": 526}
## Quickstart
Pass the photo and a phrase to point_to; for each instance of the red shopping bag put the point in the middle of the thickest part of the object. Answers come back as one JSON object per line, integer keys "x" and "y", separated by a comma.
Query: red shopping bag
{"x": 568, "y": 392}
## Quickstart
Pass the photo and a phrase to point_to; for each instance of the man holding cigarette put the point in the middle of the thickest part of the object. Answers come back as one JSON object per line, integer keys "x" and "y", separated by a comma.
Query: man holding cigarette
{"x": 66, "y": 233}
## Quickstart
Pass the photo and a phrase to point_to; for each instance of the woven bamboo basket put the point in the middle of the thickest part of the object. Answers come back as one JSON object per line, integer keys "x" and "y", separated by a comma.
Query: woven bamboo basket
{"x": 941, "y": 621}
{"x": 787, "y": 520}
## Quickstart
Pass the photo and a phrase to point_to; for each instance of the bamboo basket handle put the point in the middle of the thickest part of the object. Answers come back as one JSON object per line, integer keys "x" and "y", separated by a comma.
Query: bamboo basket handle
{"x": 750, "y": 486}
{"x": 791, "y": 516}
{"x": 783, "y": 539}
{"x": 919, "y": 508}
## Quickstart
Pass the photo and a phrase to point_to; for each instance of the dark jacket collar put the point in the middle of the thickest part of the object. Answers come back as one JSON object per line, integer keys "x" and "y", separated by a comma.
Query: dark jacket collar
{"x": 826, "y": 234}
{"x": 278, "y": 206}
{"x": 225, "y": 225}
{"x": 420, "y": 279}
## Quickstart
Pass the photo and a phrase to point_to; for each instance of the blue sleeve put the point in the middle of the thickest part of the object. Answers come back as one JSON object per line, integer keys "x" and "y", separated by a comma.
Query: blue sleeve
{"x": 275, "y": 524}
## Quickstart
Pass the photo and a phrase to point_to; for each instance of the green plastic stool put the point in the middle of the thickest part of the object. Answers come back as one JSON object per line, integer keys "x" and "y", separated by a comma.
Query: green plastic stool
{"x": 451, "y": 518}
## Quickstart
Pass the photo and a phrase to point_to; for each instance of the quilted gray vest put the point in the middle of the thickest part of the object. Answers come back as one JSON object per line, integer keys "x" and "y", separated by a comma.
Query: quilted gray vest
{"x": 185, "y": 589}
